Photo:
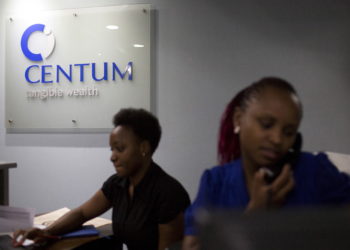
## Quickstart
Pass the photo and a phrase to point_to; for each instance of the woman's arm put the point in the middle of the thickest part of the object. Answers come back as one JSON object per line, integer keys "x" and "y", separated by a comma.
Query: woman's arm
{"x": 95, "y": 206}
{"x": 171, "y": 232}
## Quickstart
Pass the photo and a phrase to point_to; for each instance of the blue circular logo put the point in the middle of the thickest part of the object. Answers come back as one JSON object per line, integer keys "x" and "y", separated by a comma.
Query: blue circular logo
{"x": 46, "y": 51}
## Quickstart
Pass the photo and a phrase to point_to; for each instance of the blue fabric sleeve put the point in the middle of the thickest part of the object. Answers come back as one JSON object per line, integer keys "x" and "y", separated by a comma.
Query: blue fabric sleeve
{"x": 333, "y": 185}
{"x": 203, "y": 199}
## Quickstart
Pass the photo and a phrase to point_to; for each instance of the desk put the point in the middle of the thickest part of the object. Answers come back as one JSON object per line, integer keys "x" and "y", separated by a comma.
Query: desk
{"x": 4, "y": 181}
{"x": 65, "y": 244}
{"x": 68, "y": 244}
{"x": 104, "y": 227}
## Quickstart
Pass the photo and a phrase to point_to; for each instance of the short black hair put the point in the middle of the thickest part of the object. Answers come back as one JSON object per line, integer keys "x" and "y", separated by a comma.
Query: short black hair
{"x": 143, "y": 123}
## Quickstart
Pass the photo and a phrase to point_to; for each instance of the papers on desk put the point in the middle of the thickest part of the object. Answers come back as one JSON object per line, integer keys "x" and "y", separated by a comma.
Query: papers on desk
{"x": 98, "y": 222}
{"x": 47, "y": 219}
{"x": 14, "y": 218}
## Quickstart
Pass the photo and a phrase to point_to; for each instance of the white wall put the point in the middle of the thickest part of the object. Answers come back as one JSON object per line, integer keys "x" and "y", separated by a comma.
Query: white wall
{"x": 205, "y": 51}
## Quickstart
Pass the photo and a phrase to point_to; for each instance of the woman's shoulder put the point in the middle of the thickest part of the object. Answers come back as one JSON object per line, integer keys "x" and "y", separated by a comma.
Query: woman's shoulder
{"x": 218, "y": 173}
{"x": 165, "y": 180}
{"x": 114, "y": 181}
{"x": 316, "y": 158}
{"x": 114, "y": 178}
{"x": 315, "y": 164}
{"x": 112, "y": 186}
{"x": 167, "y": 186}
{"x": 331, "y": 184}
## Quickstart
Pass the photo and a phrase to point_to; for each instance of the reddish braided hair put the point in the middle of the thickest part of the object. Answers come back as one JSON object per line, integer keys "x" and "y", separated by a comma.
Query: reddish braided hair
{"x": 228, "y": 143}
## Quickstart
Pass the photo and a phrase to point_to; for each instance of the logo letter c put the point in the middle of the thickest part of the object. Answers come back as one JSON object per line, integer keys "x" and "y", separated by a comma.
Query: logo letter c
{"x": 25, "y": 38}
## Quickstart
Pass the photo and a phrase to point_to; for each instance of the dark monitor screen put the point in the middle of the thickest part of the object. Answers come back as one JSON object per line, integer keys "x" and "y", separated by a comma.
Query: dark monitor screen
{"x": 310, "y": 229}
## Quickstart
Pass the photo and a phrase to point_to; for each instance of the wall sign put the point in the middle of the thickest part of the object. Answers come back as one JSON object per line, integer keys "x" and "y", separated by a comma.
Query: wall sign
{"x": 72, "y": 70}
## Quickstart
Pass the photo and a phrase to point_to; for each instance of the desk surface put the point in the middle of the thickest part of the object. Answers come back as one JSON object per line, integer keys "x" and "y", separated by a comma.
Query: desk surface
{"x": 67, "y": 244}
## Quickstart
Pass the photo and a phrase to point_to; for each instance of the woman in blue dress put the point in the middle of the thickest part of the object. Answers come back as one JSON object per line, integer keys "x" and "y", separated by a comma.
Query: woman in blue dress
{"x": 257, "y": 168}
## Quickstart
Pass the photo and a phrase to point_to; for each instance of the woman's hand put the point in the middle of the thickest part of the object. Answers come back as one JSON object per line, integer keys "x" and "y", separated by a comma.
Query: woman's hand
{"x": 265, "y": 195}
{"x": 35, "y": 234}
{"x": 95, "y": 206}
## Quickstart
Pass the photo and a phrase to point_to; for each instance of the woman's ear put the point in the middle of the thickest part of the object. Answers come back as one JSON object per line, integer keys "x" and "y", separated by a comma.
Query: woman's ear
{"x": 145, "y": 148}
{"x": 237, "y": 117}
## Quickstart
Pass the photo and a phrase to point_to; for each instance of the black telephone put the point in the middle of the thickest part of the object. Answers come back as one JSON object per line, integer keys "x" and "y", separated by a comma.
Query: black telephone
{"x": 291, "y": 157}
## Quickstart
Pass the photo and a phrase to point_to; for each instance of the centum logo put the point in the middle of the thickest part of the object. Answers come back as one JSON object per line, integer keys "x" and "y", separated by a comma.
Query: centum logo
{"x": 48, "y": 73}
{"x": 46, "y": 50}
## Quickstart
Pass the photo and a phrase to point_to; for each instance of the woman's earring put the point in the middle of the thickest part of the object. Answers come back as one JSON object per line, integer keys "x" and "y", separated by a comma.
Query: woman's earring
{"x": 237, "y": 129}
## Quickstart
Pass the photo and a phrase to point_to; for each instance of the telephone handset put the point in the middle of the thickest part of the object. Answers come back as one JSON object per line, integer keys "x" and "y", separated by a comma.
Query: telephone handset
{"x": 291, "y": 157}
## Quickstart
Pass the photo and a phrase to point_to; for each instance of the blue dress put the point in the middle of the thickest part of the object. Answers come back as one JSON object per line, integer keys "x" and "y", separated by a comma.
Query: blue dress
{"x": 317, "y": 182}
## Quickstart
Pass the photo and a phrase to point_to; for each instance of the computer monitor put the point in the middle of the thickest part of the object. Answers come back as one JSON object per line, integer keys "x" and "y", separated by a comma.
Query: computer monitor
{"x": 292, "y": 229}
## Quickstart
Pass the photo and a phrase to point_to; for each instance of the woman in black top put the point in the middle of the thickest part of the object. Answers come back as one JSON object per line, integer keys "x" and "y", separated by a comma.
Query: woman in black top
{"x": 147, "y": 203}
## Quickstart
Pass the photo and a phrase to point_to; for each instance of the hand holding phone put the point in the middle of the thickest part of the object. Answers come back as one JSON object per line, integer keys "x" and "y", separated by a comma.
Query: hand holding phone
{"x": 290, "y": 158}
{"x": 263, "y": 195}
